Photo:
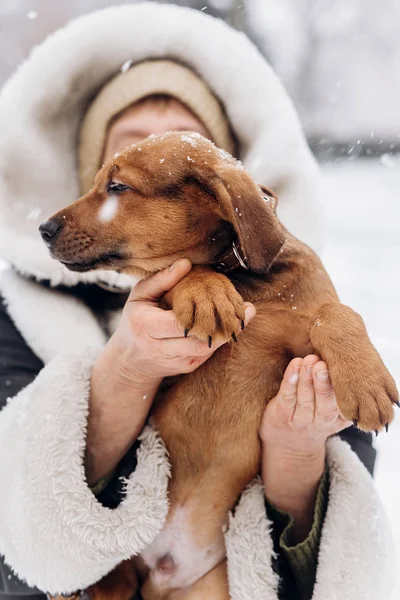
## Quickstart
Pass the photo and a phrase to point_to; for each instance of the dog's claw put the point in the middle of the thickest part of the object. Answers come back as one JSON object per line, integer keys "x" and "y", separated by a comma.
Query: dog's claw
{"x": 376, "y": 433}
{"x": 186, "y": 332}
{"x": 242, "y": 326}
{"x": 387, "y": 427}
{"x": 354, "y": 422}
{"x": 209, "y": 341}
{"x": 234, "y": 337}
{"x": 397, "y": 403}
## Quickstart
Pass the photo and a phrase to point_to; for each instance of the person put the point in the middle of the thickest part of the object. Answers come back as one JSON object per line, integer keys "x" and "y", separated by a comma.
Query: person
{"x": 84, "y": 479}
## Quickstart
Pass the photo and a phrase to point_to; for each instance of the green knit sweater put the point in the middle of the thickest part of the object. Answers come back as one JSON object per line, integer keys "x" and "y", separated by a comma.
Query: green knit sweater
{"x": 296, "y": 564}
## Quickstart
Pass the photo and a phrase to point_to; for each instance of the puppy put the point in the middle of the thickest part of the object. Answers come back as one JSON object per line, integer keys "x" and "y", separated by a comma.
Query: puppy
{"x": 174, "y": 196}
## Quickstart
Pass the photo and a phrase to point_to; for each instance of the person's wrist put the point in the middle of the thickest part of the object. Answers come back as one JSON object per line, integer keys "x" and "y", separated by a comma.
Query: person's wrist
{"x": 291, "y": 479}
{"x": 287, "y": 440}
{"x": 126, "y": 367}
{"x": 294, "y": 453}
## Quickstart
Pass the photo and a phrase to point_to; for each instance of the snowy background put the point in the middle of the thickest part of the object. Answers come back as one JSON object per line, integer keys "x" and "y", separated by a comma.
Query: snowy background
{"x": 340, "y": 61}
{"x": 362, "y": 255}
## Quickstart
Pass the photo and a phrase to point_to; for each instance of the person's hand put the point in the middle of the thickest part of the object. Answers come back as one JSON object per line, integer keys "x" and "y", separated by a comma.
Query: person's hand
{"x": 294, "y": 429}
{"x": 304, "y": 413}
{"x": 147, "y": 346}
{"x": 149, "y": 341}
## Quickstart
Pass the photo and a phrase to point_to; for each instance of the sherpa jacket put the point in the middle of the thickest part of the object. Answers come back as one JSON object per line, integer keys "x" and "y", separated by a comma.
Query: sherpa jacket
{"x": 54, "y": 533}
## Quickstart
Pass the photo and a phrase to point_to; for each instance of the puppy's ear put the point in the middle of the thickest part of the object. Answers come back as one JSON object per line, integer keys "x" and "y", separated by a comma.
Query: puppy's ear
{"x": 251, "y": 211}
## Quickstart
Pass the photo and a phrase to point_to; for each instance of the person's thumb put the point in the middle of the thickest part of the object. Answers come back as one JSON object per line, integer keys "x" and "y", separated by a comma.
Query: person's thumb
{"x": 155, "y": 286}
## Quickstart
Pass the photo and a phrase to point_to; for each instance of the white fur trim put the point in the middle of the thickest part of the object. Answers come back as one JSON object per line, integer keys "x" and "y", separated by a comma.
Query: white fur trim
{"x": 54, "y": 534}
{"x": 51, "y": 322}
{"x": 357, "y": 555}
{"x": 42, "y": 104}
{"x": 249, "y": 548}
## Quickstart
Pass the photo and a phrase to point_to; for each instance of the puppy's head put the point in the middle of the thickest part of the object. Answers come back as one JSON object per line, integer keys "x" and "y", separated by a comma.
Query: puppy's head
{"x": 170, "y": 196}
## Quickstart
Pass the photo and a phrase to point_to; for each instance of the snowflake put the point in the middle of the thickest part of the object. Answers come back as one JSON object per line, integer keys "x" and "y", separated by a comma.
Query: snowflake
{"x": 127, "y": 65}
{"x": 187, "y": 138}
{"x": 34, "y": 214}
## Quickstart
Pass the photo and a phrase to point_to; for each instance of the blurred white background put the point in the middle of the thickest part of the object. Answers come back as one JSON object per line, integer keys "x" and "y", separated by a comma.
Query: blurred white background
{"x": 340, "y": 61}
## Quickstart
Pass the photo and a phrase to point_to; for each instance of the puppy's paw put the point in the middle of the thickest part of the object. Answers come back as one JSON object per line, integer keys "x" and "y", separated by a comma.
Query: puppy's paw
{"x": 366, "y": 393}
{"x": 208, "y": 306}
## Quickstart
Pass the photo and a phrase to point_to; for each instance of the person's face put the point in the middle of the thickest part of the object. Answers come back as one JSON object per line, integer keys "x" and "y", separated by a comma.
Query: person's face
{"x": 141, "y": 120}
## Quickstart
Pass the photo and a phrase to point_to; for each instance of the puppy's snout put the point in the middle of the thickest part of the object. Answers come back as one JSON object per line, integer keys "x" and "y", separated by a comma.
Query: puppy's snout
{"x": 49, "y": 230}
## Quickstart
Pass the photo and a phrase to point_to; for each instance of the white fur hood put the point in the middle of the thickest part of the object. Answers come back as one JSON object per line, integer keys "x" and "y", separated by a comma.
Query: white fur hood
{"x": 42, "y": 105}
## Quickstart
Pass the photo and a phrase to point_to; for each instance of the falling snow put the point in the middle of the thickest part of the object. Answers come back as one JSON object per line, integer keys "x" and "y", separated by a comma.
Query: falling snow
{"x": 127, "y": 65}
{"x": 392, "y": 161}
{"x": 34, "y": 214}
{"x": 32, "y": 15}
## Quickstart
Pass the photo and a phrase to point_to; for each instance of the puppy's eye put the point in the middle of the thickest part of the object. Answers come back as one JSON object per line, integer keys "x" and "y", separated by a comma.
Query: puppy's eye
{"x": 117, "y": 188}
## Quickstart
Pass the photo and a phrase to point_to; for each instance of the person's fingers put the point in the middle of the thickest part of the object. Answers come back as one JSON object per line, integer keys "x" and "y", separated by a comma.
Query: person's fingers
{"x": 174, "y": 346}
{"x": 152, "y": 288}
{"x": 326, "y": 408}
{"x": 305, "y": 406}
{"x": 185, "y": 347}
{"x": 250, "y": 312}
{"x": 162, "y": 324}
{"x": 287, "y": 394}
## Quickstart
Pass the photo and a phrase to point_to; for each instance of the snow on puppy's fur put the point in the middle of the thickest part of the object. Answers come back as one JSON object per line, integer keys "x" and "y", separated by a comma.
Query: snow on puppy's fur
{"x": 108, "y": 209}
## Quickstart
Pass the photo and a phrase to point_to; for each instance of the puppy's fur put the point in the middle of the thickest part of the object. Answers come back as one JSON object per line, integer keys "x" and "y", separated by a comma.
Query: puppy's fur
{"x": 179, "y": 196}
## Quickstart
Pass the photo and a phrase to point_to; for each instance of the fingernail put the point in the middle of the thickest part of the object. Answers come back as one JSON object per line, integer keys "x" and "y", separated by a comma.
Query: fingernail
{"x": 174, "y": 264}
{"x": 322, "y": 375}
{"x": 249, "y": 312}
{"x": 309, "y": 369}
{"x": 294, "y": 377}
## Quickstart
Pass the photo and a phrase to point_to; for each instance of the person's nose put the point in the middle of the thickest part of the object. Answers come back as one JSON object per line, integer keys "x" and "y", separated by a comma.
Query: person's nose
{"x": 48, "y": 230}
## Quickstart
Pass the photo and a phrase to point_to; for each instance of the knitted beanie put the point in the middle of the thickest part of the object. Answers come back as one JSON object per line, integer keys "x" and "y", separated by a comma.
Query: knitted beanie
{"x": 135, "y": 83}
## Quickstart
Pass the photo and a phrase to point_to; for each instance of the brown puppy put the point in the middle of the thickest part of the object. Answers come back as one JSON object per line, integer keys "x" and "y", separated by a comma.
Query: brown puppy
{"x": 179, "y": 196}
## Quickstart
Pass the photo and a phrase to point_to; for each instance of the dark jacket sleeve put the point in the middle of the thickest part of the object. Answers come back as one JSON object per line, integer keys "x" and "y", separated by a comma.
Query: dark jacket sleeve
{"x": 18, "y": 368}
{"x": 361, "y": 444}
{"x": 18, "y": 364}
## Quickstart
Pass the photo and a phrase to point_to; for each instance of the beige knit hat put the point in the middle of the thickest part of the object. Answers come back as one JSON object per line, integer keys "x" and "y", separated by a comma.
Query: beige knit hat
{"x": 142, "y": 80}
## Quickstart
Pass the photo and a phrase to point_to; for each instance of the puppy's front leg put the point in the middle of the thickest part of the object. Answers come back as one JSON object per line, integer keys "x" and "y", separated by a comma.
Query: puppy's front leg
{"x": 207, "y": 305}
{"x": 364, "y": 388}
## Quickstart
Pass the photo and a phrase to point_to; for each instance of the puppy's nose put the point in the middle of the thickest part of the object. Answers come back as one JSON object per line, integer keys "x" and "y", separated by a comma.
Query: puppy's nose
{"x": 49, "y": 230}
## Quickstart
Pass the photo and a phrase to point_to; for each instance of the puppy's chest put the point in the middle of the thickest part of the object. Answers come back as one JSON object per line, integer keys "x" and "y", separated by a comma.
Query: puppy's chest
{"x": 238, "y": 377}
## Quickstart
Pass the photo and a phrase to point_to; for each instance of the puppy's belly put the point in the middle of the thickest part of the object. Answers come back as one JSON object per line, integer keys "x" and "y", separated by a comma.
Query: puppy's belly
{"x": 175, "y": 559}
